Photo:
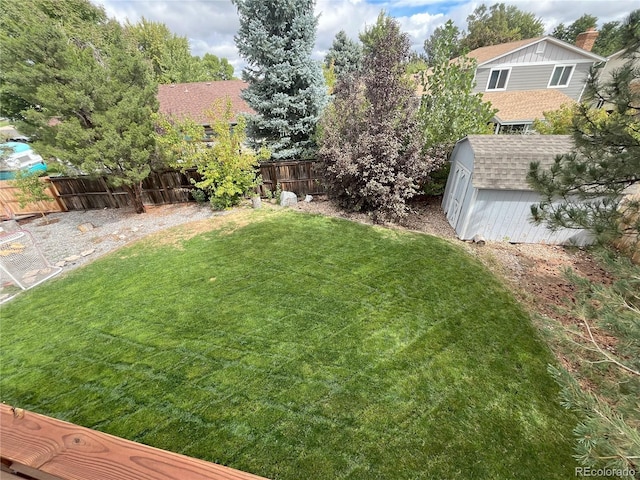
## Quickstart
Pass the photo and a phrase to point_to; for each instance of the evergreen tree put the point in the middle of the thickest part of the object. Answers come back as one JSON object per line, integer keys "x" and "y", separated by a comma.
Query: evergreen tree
{"x": 286, "y": 86}
{"x": 585, "y": 189}
{"x": 345, "y": 55}
{"x": 88, "y": 93}
{"x": 371, "y": 142}
{"x": 499, "y": 24}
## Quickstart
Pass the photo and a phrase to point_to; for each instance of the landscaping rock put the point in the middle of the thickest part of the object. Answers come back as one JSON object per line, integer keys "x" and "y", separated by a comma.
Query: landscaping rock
{"x": 88, "y": 252}
{"x": 479, "y": 240}
{"x": 61, "y": 264}
{"x": 256, "y": 202}
{"x": 72, "y": 258}
{"x": 308, "y": 198}
{"x": 288, "y": 199}
{"x": 86, "y": 227}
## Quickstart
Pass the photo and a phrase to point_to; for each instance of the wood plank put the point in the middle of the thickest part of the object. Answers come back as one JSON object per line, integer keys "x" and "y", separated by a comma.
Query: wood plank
{"x": 36, "y": 443}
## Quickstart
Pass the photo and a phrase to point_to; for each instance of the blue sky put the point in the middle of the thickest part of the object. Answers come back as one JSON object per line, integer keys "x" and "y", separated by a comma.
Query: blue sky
{"x": 211, "y": 24}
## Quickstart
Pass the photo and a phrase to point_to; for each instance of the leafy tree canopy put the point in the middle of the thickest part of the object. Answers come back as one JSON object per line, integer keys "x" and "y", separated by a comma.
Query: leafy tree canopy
{"x": 449, "y": 109}
{"x": 286, "y": 86}
{"x": 570, "y": 33}
{"x": 500, "y": 24}
{"x": 610, "y": 40}
{"x": 448, "y": 33}
{"x": 215, "y": 68}
{"x": 171, "y": 58}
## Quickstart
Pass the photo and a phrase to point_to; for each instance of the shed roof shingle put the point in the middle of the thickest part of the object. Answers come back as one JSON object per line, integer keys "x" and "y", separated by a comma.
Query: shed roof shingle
{"x": 502, "y": 161}
{"x": 192, "y": 100}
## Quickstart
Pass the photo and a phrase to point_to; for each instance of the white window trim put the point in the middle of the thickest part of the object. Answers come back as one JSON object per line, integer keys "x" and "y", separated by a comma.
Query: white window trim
{"x": 506, "y": 83}
{"x": 541, "y": 47}
{"x": 573, "y": 70}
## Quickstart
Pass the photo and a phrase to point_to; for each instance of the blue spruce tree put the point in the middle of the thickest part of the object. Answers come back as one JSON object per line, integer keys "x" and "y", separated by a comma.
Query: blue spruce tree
{"x": 286, "y": 87}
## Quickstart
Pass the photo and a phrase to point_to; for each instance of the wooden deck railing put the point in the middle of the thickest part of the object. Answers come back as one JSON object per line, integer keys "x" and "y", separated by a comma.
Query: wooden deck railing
{"x": 34, "y": 446}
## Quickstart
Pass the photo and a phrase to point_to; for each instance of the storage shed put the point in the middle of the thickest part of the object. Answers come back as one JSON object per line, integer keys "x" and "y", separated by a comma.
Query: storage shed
{"x": 487, "y": 192}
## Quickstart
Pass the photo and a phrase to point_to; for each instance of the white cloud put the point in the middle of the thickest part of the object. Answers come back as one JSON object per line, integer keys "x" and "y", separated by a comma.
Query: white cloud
{"x": 348, "y": 15}
{"x": 211, "y": 24}
{"x": 420, "y": 26}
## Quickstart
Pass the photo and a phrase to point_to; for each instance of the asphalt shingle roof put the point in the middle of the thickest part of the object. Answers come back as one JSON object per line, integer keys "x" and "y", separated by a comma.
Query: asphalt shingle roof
{"x": 526, "y": 105}
{"x": 484, "y": 54}
{"x": 192, "y": 100}
{"x": 502, "y": 161}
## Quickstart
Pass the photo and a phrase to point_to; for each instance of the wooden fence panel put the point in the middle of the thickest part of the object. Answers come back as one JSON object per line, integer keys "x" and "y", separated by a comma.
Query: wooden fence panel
{"x": 86, "y": 193}
{"x": 169, "y": 186}
{"x": 301, "y": 177}
{"x": 10, "y": 207}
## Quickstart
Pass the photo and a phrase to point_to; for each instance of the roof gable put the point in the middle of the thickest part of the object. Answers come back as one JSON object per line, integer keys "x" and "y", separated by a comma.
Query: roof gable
{"x": 192, "y": 100}
{"x": 502, "y": 161}
{"x": 484, "y": 55}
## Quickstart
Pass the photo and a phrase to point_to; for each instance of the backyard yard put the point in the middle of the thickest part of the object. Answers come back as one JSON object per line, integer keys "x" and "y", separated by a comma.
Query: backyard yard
{"x": 295, "y": 346}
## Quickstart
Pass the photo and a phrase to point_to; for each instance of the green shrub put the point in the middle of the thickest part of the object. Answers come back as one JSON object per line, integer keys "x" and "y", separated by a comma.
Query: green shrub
{"x": 227, "y": 167}
{"x": 199, "y": 195}
{"x": 30, "y": 189}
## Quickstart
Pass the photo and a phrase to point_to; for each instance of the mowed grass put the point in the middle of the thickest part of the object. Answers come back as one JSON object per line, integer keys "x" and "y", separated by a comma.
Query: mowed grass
{"x": 295, "y": 346}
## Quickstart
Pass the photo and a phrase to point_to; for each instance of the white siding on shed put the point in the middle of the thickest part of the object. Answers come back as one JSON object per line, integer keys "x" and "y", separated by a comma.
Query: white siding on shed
{"x": 496, "y": 202}
{"x": 505, "y": 215}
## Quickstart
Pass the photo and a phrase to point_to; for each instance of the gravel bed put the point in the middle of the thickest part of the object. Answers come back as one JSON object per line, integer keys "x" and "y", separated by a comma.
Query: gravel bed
{"x": 72, "y": 239}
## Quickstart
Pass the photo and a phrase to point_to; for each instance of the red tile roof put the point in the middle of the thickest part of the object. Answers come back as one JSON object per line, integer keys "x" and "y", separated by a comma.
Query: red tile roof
{"x": 192, "y": 100}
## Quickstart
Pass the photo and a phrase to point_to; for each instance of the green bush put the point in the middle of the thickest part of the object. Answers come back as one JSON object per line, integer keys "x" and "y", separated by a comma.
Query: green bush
{"x": 227, "y": 167}
{"x": 199, "y": 195}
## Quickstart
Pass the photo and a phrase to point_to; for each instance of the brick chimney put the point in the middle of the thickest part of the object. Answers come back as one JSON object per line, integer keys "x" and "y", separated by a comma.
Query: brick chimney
{"x": 585, "y": 40}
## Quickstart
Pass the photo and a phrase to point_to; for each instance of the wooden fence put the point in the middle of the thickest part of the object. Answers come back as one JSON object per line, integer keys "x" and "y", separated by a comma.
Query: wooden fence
{"x": 10, "y": 206}
{"x": 301, "y": 177}
{"x": 169, "y": 186}
{"x": 86, "y": 193}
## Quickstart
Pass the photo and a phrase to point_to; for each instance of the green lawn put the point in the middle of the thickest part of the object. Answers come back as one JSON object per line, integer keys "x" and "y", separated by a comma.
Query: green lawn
{"x": 296, "y": 347}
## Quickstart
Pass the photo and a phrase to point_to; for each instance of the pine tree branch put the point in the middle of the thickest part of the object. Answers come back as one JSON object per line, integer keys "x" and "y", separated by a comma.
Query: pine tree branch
{"x": 605, "y": 354}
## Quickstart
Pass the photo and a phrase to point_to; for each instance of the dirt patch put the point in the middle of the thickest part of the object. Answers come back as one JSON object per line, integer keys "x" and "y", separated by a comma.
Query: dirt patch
{"x": 228, "y": 222}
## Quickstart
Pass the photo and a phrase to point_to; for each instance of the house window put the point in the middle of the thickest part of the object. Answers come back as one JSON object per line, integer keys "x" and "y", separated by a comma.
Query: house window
{"x": 498, "y": 79}
{"x": 541, "y": 47}
{"x": 561, "y": 76}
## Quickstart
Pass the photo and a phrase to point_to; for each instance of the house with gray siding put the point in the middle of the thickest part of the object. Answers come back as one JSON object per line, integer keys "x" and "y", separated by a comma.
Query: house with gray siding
{"x": 487, "y": 193}
{"x": 525, "y": 78}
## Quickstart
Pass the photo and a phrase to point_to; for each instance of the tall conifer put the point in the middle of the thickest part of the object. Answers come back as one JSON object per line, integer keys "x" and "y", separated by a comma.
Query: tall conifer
{"x": 286, "y": 86}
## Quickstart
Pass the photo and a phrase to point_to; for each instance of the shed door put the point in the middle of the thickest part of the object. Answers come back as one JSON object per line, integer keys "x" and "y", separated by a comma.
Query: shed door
{"x": 457, "y": 193}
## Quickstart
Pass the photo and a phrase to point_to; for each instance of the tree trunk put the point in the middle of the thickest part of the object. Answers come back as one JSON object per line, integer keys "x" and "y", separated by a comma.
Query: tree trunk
{"x": 135, "y": 192}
